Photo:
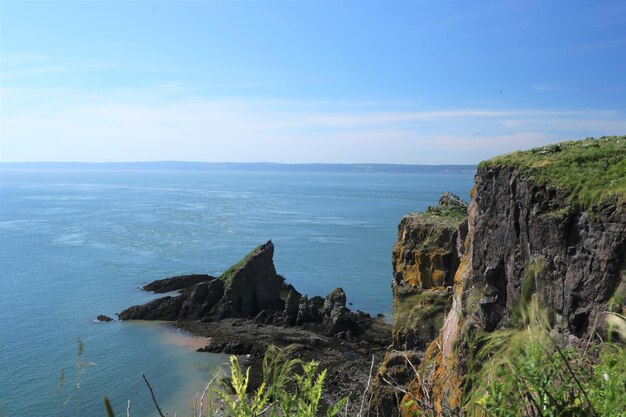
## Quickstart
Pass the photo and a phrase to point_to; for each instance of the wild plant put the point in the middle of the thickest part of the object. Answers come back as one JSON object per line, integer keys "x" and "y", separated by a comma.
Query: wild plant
{"x": 79, "y": 369}
{"x": 525, "y": 372}
{"x": 284, "y": 392}
{"x": 290, "y": 388}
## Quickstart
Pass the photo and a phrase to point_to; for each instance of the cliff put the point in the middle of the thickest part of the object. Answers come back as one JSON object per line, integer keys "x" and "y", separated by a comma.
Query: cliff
{"x": 550, "y": 221}
{"x": 424, "y": 259}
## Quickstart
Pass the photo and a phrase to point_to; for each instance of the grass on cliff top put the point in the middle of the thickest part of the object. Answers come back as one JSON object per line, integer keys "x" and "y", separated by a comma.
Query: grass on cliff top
{"x": 452, "y": 215}
{"x": 445, "y": 215}
{"x": 436, "y": 222}
{"x": 227, "y": 275}
{"x": 591, "y": 171}
{"x": 449, "y": 212}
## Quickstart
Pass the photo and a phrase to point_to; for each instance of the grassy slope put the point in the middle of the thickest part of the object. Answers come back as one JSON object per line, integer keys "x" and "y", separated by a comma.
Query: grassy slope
{"x": 590, "y": 171}
{"x": 227, "y": 275}
{"x": 446, "y": 216}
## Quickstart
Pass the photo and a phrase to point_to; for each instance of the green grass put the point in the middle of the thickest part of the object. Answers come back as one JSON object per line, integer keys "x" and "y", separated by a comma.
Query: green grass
{"x": 590, "y": 171}
{"x": 230, "y": 272}
{"x": 523, "y": 371}
{"x": 420, "y": 310}
{"x": 290, "y": 388}
{"x": 445, "y": 216}
{"x": 449, "y": 211}
{"x": 285, "y": 392}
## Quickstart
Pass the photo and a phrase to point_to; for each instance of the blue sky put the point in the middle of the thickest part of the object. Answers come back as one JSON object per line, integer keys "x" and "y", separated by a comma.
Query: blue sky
{"x": 306, "y": 81}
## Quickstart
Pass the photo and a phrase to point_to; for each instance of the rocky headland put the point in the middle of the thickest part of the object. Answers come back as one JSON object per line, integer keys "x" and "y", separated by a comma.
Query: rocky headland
{"x": 250, "y": 307}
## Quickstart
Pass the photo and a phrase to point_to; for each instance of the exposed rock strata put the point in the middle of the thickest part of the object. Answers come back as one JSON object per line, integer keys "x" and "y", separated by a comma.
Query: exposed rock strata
{"x": 516, "y": 226}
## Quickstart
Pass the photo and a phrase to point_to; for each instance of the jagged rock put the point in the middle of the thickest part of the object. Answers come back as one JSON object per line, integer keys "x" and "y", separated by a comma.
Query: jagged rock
{"x": 292, "y": 306}
{"x": 104, "y": 318}
{"x": 520, "y": 223}
{"x": 243, "y": 290}
{"x": 251, "y": 289}
{"x": 449, "y": 205}
{"x": 337, "y": 318}
{"x": 292, "y": 303}
{"x": 176, "y": 283}
{"x": 425, "y": 259}
{"x": 252, "y": 285}
{"x": 310, "y": 310}
{"x": 202, "y": 298}
{"x": 335, "y": 300}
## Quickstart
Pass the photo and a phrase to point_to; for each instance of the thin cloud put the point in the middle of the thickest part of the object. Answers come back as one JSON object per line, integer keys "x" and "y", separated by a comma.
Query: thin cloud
{"x": 159, "y": 124}
{"x": 21, "y": 66}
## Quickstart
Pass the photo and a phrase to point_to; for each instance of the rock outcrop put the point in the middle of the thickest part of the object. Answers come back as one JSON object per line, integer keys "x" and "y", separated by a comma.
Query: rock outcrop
{"x": 424, "y": 261}
{"x": 176, "y": 283}
{"x": 250, "y": 307}
{"x": 250, "y": 289}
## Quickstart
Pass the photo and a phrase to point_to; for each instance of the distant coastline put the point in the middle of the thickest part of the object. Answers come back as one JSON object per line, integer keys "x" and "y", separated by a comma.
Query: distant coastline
{"x": 243, "y": 166}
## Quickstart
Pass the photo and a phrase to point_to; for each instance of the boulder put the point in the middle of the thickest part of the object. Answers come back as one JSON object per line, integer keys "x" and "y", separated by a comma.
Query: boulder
{"x": 104, "y": 318}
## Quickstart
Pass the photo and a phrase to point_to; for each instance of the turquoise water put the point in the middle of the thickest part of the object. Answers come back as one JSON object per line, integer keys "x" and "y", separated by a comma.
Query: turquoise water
{"x": 78, "y": 243}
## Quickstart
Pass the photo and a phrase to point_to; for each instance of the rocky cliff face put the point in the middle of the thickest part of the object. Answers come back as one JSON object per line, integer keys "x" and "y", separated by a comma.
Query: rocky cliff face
{"x": 526, "y": 231}
{"x": 424, "y": 261}
{"x": 518, "y": 225}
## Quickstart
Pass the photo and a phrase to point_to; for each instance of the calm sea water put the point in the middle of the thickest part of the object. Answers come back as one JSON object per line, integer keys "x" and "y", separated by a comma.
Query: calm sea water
{"x": 78, "y": 243}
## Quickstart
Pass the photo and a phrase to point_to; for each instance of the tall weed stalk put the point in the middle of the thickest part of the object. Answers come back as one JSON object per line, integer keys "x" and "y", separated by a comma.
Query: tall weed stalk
{"x": 526, "y": 373}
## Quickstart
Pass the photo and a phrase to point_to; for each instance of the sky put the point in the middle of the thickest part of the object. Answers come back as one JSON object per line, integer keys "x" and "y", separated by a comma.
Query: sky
{"x": 410, "y": 82}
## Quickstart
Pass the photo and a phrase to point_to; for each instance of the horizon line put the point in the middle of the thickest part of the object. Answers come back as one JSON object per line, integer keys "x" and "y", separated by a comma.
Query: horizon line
{"x": 319, "y": 167}
{"x": 228, "y": 162}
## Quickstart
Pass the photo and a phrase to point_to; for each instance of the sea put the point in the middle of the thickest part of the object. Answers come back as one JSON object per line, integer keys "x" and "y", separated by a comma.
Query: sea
{"x": 79, "y": 240}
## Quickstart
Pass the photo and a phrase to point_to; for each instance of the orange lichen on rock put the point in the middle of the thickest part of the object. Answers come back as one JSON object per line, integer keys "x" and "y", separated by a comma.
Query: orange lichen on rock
{"x": 438, "y": 387}
{"x": 425, "y": 259}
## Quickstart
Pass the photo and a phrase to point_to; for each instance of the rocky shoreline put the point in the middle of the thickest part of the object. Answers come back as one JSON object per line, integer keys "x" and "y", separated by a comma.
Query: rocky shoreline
{"x": 250, "y": 307}
{"x": 460, "y": 273}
